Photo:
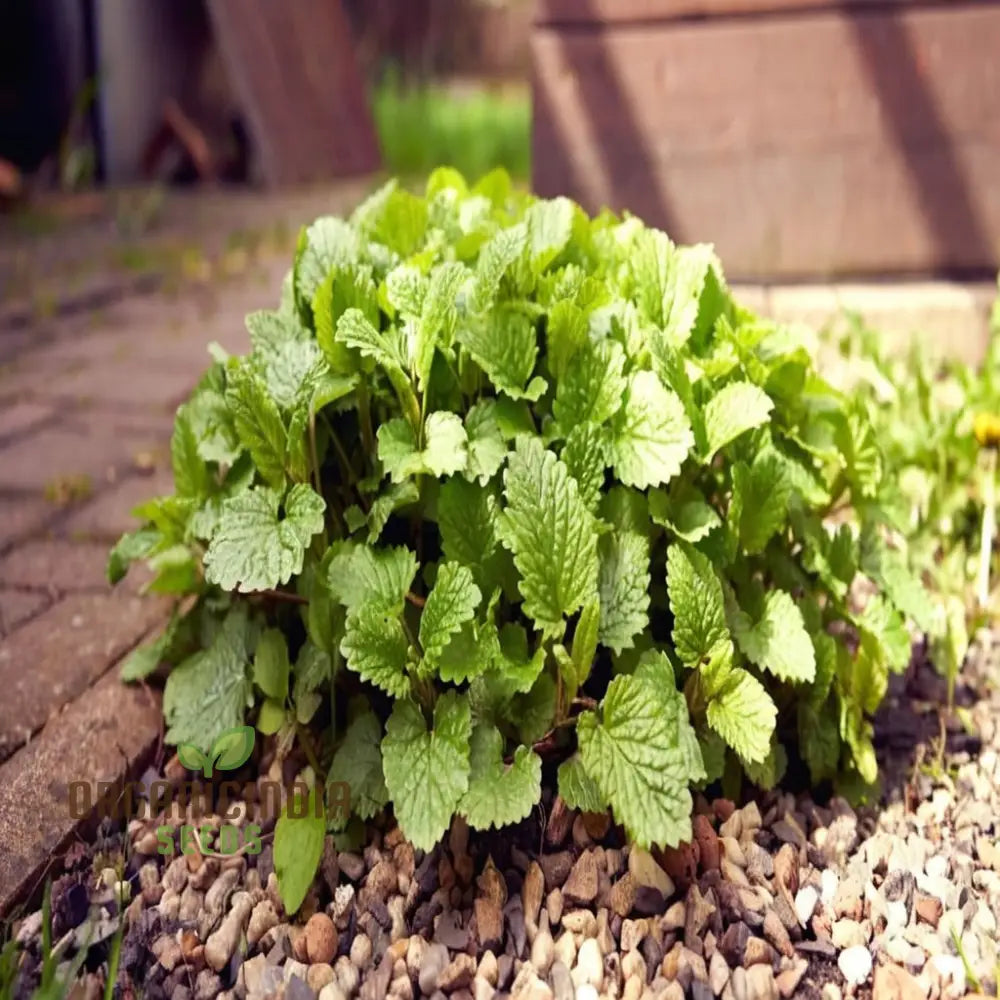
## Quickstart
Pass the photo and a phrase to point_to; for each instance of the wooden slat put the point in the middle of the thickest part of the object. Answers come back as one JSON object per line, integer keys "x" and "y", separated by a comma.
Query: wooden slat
{"x": 293, "y": 68}
{"x": 803, "y": 146}
{"x": 580, "y": 12}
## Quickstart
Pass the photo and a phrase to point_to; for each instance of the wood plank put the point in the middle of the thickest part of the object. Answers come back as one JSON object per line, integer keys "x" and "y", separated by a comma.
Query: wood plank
{"x": 293, "y": 67}
{"x": 582, "y": 12}
{"x": 805, "y": 146}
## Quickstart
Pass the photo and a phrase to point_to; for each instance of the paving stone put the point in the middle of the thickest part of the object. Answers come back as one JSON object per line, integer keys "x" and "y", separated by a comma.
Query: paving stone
{"x": 54, "y": 658}
{"x": 20, "y": 415}
{"x": 101, "y": 450}
{"x": 104, "y": 737}
{"x": 130, "y": 382}
{"x": 17, "y": 606}
{"x": 23, "y": 516}
{"x": 55, "y": 566}
{"x": 106, "y": 516}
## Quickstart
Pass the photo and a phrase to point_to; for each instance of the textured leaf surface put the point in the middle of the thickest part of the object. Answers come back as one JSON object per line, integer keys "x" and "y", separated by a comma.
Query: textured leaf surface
{"x": 743, "y": 714}
{"x": 577, "y": 788}
{"x": 591, "y": 390}
{"x": 735, "y": 409}
{"x": 697, "y": 603}
{"x": 377, "y": 577}
{"x": 778, "y": 640}
{"x": 631, "y": 752}
{"x": 254, "y": 547}
{"x": 651, "y": 434}
{"x": 209, "y": 692}
{"x": 358, "y": 762}
{"x": 451, "y": 603}
{"x": 427, "y": 771}
{"x": 623, "y": 584}
{"x": 759, "y": 506}
{"x": 551, "y": 534}
{"x": 505, "y": 346}
{"x": 499, "y": 794}
{"x": 258, "y": 424}
{"x": 375, "y": 647}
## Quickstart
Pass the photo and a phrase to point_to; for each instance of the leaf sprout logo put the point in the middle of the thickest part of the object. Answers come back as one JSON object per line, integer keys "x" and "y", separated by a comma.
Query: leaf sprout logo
{"x": 231, "y": 750}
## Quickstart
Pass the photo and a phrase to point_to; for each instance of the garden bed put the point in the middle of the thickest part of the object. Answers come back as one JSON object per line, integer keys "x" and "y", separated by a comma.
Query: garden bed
{"x": 783, "y": 895}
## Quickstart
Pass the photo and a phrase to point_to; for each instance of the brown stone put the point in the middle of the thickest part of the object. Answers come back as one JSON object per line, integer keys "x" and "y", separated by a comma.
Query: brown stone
{"x": 532, "y": 892}
{"x": 892, "y": 982}
{"x": 758, "y": 952}
{"x": 57, "y": 655}
{"x": 733, "y": 943}
{"x": 681, "y": 863}
{"x": 489, "y": 924}
{"x": 622, "y": 896}
{"x": 776, "y": 932}
{"x": 929, "y": 909}
{"x": 108, "y": 736}
{"x": 582, "y": 884}
{"x": 708, "y": 843}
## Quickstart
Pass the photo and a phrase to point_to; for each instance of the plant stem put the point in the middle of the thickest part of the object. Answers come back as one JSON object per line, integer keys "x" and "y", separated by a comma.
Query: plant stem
{"x": 310, "y": 751}
{"x": 989, "y": 529}
{"x": 282, "y": 595}
{"x": 365, "y": 419}
{"x": 415, "y": 599}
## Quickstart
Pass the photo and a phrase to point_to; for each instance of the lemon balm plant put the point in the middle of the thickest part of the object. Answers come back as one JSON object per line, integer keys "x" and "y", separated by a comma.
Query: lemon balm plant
{"x": 502, "y": 490}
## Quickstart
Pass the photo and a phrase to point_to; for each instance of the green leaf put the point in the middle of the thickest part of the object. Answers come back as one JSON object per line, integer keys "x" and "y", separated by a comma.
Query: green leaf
{"x": 504, "y": 344}
{"x": 499, "y": 794}
{"x": 585, "y": 637}
{"x": 630, "y": 750}
{"x": 256, "y": 548}
{"x": 577, "y": 789}
{"x": 231, "y": 749}
{"x": 735, "y": 409}
{"x": 651, "y": 434}
{"x": 585, "y": 454}
{"x": 778, "y": 640}
{"x": 759, "y": 506}
{"x": 445, "y": 451}
{"x": 550, "y": 225}
{"x": 888, "y": 568}
{"x": 132, "y": 546}
{"x": 697, "y": 603}
{"x": 259, "y": 425}
{"x": 358, "y": 763}
{"x": 298, "y": 848}
{"x": 270, "y": 666}
{"x": 623, "y": 584}
{"x": 406, "y": 287}
{"x": 592, "y": 389}
{"x": 427, "y": 771}
{"x": 355, "y": 330}
{"x": 363, "y": 575}
{"x": 396, "y": 497}
{"x": 331, "y": 244}
{"x": 210, "y": 691}
{"x": 437, "y": 317}
{"x": 486, "y": 445}
{"x": 691, "y": 520}
{"x": 191, "y": 475}
{"x": 534, "y": 711}
{"x": 451, "y": 603}
{"x": 495, "y": 259}
{"x": 743, "y": 714}
{"x": 376, "y": 648}
{"x": 819, "y": 741}
{"x": 271, "y": 717}
{"x": 551, "y": 534}
{"x": 144, "y": 659}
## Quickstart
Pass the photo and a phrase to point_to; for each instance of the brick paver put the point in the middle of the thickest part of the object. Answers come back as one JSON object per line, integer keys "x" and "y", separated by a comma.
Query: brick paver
{"x": 86, "y": 411}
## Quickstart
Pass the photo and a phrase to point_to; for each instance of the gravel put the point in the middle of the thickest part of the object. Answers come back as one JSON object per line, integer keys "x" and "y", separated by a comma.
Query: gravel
{"x": 784, "y": 896}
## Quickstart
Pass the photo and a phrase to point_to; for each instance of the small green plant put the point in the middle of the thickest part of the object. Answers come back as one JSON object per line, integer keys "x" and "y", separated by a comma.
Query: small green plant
{"x": 499, "y": 484}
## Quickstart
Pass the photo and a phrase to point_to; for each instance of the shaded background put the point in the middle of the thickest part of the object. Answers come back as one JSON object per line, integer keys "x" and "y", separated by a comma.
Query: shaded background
{"x": 807, "y": 139}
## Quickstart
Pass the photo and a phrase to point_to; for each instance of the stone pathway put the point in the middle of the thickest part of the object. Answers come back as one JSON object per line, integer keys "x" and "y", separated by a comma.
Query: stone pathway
{"x": 87, "y": 397}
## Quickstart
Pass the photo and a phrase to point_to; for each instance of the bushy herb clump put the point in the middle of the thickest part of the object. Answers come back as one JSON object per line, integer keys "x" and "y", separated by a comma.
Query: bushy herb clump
{"x": 502, "y": 485}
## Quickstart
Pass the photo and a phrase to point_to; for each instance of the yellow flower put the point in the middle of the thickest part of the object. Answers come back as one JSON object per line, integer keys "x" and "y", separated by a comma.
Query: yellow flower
{"x": 986, "y": 428}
